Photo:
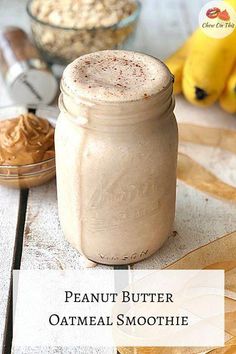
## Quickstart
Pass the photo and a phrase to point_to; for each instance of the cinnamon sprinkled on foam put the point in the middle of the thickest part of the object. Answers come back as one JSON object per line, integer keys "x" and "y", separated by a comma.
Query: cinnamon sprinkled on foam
{"x": 115, "y": 76}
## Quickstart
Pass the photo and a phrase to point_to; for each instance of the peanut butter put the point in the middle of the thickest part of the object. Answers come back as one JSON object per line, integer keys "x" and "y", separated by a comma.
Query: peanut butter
{"x": 26, "y": 139}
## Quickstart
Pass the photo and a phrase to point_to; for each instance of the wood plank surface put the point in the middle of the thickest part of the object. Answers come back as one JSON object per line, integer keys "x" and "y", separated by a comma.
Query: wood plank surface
{"x": 9, "y": 207}
{"x": 9, "y": 201}
{"x": 68, "y": 350}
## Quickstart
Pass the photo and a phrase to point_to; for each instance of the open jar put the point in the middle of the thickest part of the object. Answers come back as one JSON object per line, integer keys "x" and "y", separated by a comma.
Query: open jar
{"x": 116, "y": 152}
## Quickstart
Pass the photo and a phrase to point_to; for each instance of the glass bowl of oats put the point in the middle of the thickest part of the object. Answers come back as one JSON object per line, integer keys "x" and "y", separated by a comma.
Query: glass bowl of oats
{"x": 65, "y": 29}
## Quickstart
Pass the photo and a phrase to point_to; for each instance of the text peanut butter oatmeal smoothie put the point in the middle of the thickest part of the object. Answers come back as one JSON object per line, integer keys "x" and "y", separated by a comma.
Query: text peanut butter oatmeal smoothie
{"x": 116, "y": 153}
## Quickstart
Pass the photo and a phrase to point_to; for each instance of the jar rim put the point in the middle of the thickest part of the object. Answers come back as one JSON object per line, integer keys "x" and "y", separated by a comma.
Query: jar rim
{"x": 87, "y": 115}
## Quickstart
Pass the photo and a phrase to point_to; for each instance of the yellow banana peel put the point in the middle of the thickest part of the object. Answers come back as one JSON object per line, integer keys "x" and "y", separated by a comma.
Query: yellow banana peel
{"x": 204, "y": 69}
{"x": 207, "y": 68}
{"x": 228, "y": 98}
{"x": 232, "y": 3}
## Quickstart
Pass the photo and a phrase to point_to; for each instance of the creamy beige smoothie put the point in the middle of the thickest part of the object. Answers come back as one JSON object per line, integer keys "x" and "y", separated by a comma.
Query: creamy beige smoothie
{"x": 116, "y": 152}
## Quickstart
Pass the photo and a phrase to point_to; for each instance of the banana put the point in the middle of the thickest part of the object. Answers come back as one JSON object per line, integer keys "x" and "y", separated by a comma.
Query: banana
{"x": 202, "y": 66}
{"x": 232, "y": 3}
{"x": 176, "y": 64}
{"x": 228, "y": 98}
{"x": 207, "y": 67}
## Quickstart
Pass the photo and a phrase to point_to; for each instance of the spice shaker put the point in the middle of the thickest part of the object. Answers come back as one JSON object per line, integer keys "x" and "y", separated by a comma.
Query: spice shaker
{"x": 27, "y": 76}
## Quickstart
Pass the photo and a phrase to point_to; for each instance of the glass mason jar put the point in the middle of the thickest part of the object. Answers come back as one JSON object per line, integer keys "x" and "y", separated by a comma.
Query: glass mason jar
{"x": 116, "y": 153}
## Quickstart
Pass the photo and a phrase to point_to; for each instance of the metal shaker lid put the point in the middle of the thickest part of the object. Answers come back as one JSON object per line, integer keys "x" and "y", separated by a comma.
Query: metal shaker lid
{"x": 31, "y": 84}
{"x": 28, "y": 77}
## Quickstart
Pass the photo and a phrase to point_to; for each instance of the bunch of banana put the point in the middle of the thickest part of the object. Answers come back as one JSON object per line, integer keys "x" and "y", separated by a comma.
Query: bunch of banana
{"x": 205, "y": 69}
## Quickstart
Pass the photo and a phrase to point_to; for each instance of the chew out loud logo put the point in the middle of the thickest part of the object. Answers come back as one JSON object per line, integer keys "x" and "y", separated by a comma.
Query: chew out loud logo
{"x": 217, "y": 19}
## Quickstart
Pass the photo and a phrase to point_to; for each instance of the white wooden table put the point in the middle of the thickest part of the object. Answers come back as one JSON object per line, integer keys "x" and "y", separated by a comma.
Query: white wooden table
{"x": 30, "y": 234}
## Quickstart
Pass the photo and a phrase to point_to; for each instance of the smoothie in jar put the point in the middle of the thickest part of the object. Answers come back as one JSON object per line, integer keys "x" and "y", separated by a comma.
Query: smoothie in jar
{"x": 116, "y": 152}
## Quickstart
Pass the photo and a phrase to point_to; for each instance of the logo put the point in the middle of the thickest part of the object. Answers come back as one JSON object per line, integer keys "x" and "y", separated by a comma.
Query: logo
{"x": 217, "y": 19}
{"x": 215, "y": 12}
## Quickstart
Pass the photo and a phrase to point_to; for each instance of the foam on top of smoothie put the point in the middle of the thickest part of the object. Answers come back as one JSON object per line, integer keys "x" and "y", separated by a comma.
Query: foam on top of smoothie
{"x": 114, "y": 76}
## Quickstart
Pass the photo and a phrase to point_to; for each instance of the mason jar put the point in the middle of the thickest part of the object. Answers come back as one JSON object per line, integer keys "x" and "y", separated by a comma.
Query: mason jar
{"x": 116, "y": 151}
